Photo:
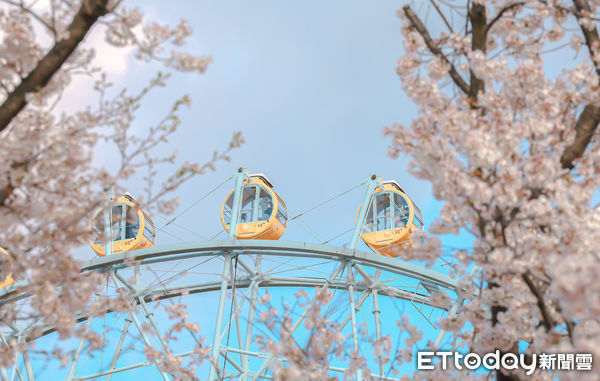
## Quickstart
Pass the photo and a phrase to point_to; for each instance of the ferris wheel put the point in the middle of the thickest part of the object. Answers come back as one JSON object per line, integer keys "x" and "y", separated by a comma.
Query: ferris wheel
{"x": 234, "y": 286}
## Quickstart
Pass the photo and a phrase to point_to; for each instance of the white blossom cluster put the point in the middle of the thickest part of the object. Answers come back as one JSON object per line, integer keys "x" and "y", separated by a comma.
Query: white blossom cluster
{"x": 513, "y": 152}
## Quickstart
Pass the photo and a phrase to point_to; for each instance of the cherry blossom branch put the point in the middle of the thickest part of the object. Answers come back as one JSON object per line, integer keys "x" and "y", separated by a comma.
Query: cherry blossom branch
{"x": 439, "y": 11}
{"x": 434, "y": 49}
{"x": 23, "y": 8}
{"x": 187, "y": 171}
{"x": 501, "y": 13}
{"x": 506, "y": 184}
{"x": 589, "y": 32}
{"x": 546, "y": 318}
{"x": 587, "y": 123}
{"x": 87, "y": 15}
{"x": 477, "y": 16}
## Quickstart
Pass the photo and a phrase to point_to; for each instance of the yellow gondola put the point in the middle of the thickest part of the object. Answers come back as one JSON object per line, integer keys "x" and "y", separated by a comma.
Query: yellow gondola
{"x": 391, "y": 219}
{"x": 263, "y": 214}
{"x": 130, "y": 228}
{"x": 9, "y": 279}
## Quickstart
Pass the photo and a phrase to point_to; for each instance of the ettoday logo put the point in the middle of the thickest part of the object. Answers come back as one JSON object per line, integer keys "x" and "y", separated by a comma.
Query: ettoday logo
{"x": 472, "y": 361}
{"x": 507, "y": 361}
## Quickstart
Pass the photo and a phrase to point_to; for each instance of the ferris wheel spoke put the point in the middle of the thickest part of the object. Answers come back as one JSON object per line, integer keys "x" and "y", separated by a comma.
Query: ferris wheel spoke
{"x": 350, "y": 278}
{"x": 400, "y": 279}
{"x": 245, "y": 267}
{"x": 305, "y": 267}
{"x": 234, "y": 311}
{"x": 148, "y": 343}
{"x": 164, "y": 282}
{"x": 359, "y": 303}
{"x": 220, "y": 310}
{"x": 77, "y": 353}
{"x": 280, "y": 263}
{"x": 223, "y": 351}
{"x": 268, "y": 361}
{"x": 141, "y": 330}
{"x": 150, "y": 317}
{"x": 15, "y": 367}
{"x": 251, "y": 315}
{"x": 376, "y": 314}
{"x": 124, "y": 331}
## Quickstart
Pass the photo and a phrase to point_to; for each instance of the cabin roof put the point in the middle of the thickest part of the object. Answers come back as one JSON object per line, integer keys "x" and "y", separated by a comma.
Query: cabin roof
{"x": 263, "y": 177}
{"x": 395, "y": 185}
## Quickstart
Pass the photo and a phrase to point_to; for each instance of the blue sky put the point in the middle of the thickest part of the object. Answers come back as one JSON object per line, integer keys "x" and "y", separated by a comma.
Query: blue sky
{"x": 311, "y": 85}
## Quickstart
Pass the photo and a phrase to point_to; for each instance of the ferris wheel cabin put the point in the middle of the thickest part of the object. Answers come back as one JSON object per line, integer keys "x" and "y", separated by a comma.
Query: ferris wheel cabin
{"x": 125, "y": 227}
{"x": 262, "y": 213}
{"x": 391, "y": 219}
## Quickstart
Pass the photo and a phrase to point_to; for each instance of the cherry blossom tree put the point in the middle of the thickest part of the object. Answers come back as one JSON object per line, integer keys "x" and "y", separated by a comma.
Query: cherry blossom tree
{"x": 506, "y": 134}
{"x": 509, "y": 105}
{"x": 49, "y": 184}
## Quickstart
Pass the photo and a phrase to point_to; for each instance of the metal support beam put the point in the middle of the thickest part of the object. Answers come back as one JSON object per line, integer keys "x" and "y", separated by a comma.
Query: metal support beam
{"x": 235, "y": 308}
{"x": 353, "y": 315}
{"x": 113, "y": 363}
{"x": 236, "y": 314}
{"x": 228, "y": 359}
{"x": 237, "y": 201}
{"x": 148, "y": 343}
{"x": 268, "y": 361}
{"x": 221, "y": 309}
{"x": 150, "y": 316}
{"x": 140, "y": 329}
{"x": 245, "y": 266}
{"x": 108, "y": 225}
{"x": 453, "y": 311}
{"x": 77, "y": 353}
{"x": 191, "y": 250}
{"x": 369, "y": 279}
{"x": 359, "y": 303}
{"x": 126, "y": 368}
{"x": 312, "y": 303}
{"x": 283, "y": 359}
{"x": 360, "y": 220}
{"x": 376, "y": 312}
{"x": 15, "y": 367}
{"x": 251, "y": 315}
{"x": 28, "y": 368}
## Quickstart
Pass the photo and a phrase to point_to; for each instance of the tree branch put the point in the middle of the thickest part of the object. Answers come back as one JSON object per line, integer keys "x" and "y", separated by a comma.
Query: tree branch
{"x": 587, "y": 123}
{"x": 546, "y": 318}
{"x": 39, "y": 77}
{"x": 33, "y": 14}
{"x": 434, "y": 49}
{"x": 439, "y": 11}
{"x": 502, "y": 11}
{"x": 478, "y": 20}
{"x": 584, "y": 130}
{"x": 591, "y": 35}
